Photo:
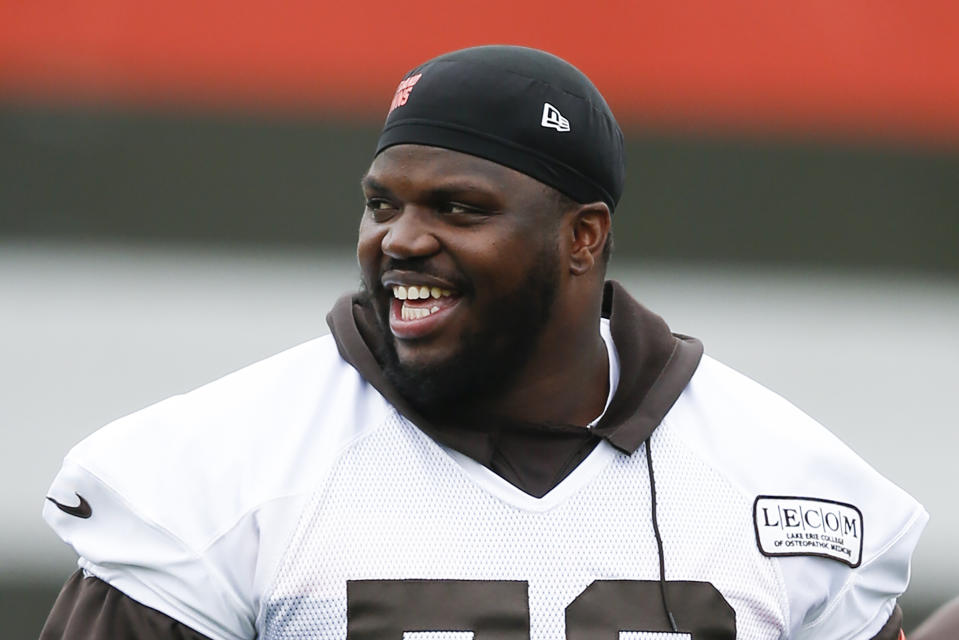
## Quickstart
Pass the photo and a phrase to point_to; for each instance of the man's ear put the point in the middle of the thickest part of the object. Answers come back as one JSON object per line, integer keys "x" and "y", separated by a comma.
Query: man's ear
{"x": 589, "y": 226}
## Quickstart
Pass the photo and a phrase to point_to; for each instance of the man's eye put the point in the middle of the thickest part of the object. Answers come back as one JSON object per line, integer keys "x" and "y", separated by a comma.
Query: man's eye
{"x": 460, "y": 208}
{"x": 380, "y": 210}
{"x": 374, "y": 204}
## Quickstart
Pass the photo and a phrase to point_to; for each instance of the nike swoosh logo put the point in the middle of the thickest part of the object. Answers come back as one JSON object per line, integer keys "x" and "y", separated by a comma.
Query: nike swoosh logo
{"x": 82, "y": 510}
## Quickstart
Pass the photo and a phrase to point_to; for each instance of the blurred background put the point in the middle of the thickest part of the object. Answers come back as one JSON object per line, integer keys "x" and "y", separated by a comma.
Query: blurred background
{"x": 179, "y": 198}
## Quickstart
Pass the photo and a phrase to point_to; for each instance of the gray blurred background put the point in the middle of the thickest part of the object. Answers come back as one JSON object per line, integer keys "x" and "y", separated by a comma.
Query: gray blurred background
{"x": 148, "y": 246}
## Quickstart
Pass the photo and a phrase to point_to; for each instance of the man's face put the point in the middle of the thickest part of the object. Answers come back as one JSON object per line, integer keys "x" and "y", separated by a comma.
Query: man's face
{"x": 460, "y": 262}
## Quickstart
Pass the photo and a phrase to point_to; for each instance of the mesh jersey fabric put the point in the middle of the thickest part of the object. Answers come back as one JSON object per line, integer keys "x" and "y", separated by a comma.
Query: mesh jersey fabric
{"x": 437, "y": 519}
{"x": 287, "y": 478}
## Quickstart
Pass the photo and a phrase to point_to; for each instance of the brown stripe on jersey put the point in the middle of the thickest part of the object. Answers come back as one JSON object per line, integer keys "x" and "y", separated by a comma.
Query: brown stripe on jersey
{"x": 892, "y": 630}
{"x": 90, "y": 609}
{"x": 655, "y": 367}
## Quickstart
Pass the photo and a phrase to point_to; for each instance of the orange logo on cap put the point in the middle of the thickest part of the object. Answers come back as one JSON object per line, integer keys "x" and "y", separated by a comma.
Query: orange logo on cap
{"x": 403, "y": 92}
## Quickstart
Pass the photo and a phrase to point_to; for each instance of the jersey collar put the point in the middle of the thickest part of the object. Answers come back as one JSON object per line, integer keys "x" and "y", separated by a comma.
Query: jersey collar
{"x": 654, "y": 368}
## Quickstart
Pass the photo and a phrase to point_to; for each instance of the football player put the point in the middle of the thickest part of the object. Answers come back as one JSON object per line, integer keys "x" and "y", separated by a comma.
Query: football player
{"x": 493, "y": 442}
{"x": 943, "y": 624}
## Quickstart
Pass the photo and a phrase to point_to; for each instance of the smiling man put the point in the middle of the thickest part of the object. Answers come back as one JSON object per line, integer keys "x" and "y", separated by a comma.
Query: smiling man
{"x": 461, "y": 264}
{"x": 493, "y": 443}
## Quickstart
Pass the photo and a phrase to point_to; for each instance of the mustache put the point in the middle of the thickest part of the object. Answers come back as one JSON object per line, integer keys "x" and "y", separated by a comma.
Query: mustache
{"x": 421, "y": 266}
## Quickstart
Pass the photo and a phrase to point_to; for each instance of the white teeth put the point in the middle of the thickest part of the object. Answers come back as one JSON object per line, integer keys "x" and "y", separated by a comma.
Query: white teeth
{"x": 401, "y": 292}
{"x": 415, "y": 313}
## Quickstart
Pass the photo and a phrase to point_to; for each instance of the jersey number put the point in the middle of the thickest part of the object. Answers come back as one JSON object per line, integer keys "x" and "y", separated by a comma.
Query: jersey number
{"x": 499, "y": 610}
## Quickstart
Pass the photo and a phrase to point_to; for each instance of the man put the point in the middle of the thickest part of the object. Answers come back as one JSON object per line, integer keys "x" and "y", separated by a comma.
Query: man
{"x": 943, "y": 624}
{"x": 493, "y": 443}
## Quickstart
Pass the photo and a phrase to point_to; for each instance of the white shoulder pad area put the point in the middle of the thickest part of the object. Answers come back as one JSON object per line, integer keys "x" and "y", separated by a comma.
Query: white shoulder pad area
{"x": 192, "y": 499}
{"x": 841, "y": 534}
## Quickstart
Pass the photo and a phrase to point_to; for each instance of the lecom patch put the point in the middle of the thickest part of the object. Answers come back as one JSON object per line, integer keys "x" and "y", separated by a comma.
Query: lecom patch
{"x": 798, "y": 526}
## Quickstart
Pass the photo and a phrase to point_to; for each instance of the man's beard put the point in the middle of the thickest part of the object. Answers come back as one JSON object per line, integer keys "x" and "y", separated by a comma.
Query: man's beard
{"x": 489, "y": 359}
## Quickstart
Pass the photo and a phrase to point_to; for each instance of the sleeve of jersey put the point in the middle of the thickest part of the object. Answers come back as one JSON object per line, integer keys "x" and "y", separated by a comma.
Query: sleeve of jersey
{"x": 773, "y": 451}
{"x": 866, "y": 597}
{"x": 124, "y": 548}
{"x": 90, "y": 609}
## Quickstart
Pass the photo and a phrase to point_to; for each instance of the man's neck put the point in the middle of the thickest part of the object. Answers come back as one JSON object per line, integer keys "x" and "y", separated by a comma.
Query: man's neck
{"x": 566, "y": 382}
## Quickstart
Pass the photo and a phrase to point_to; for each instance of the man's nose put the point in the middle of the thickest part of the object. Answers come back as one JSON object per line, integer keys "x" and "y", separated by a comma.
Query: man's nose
{"x": 411, "y": 235}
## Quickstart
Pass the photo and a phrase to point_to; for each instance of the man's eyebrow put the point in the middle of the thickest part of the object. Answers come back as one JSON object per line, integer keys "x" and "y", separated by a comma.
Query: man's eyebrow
{"x": 369, "y": 183}
{"x": 449, "y": 189}
{"x": 459, "y": 187}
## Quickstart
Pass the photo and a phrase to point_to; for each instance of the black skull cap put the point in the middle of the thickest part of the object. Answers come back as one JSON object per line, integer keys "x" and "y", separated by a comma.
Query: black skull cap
{"x": 523, "y": 108}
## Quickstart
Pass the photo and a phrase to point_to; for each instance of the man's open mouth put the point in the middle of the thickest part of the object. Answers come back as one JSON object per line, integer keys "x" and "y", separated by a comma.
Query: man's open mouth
{"x": 420, "y": 301}
{"x": 416, "y": 309}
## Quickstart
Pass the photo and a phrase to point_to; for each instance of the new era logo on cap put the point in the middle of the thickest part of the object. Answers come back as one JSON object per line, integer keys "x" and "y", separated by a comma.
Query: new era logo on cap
{"x": 553, "y": 119}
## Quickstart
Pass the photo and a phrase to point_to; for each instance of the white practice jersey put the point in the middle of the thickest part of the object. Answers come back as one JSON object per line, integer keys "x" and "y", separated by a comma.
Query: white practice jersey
{"x": 290, "y": 500}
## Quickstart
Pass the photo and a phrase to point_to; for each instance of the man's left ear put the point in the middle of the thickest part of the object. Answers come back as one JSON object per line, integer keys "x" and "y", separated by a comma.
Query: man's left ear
{"x": 589, "y": 227}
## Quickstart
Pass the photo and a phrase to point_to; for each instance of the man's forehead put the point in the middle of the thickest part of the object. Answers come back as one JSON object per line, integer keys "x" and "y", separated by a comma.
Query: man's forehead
{"x": 410, "y": 164}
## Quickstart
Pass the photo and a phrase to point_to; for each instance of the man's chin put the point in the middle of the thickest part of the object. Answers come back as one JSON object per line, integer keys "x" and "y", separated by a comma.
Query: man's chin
{"x": 430, "y": 384}
{"x": 468, "y": 362}
{"x": 420, "y": 355}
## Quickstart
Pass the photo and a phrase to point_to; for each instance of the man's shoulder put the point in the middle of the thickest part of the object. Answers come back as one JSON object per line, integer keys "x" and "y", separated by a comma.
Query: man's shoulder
{"x": 264, "y": 432}
{"x": 811, "y": 497}
{"x": 738, "y": 423}
{"x": 263, "y": 401}
{"x": 740, "y": 407}
{"x": 766, "y": 446}
{"x": 186, "y": 506}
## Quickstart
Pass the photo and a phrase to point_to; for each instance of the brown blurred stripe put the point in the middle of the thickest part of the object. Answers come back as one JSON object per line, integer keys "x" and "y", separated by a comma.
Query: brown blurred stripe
{"x": 74, "y": 174}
